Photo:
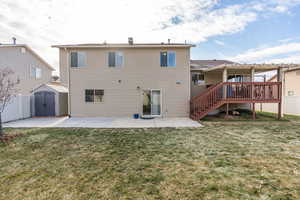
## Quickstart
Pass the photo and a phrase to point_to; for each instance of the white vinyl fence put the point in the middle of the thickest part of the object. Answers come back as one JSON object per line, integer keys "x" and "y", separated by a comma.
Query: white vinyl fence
{"x": 18, "y": 108}
{"x": 291, "y": 106}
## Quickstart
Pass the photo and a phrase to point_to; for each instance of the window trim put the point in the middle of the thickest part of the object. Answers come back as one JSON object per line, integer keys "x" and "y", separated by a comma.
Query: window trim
{"x": 168, "y": 52}
{"x": 94, "y": 94}
{"x": 33, "y": 69}
{"x": 116, "y": 66}
{"x": 70, "y": 59}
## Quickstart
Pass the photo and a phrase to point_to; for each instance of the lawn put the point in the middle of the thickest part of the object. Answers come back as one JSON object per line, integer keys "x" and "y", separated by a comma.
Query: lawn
{"x": 223, "y": 160}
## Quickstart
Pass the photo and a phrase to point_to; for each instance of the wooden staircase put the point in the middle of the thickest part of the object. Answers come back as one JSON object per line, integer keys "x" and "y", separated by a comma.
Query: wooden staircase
{"x": 233, "y": 92}
{"x": 206, "y": 102}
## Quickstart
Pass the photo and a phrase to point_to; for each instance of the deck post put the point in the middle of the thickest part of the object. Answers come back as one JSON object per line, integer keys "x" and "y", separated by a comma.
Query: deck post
{"x": 252, "y": 79}
{"x": 281, "y": 92}
{"x": 227, "y": 109}
{"x": 225, "y": 76}
{"x": 253, "y": 111}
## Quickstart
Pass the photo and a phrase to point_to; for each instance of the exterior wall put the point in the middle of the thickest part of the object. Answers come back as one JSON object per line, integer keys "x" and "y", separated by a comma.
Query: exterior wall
{"x": 21, "y": 63}
{"x": 292, "y": 80}
{"x": 141, "y": 70}
{"x": 291, "y": 103}
{"x": 63, "y": 104}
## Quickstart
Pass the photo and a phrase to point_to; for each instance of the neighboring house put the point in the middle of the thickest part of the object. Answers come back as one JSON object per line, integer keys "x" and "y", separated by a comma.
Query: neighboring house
{"x": 291, "y": 93}
{"x": 31, "y": 70}
{"x": 27, "y": 65}
{"x": 119, "y": 80}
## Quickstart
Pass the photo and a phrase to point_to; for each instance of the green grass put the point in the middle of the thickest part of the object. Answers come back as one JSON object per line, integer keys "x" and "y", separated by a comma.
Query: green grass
{"x": 223, "y": 160}
{"x": 246, "y": 115}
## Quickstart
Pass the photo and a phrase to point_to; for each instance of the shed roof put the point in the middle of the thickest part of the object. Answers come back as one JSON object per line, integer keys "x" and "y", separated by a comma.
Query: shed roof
{"x": 55, "y": 86}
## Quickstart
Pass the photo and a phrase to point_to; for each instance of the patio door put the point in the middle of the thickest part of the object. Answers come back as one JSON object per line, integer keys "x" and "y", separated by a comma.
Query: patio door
{"x": 151, "y": 102}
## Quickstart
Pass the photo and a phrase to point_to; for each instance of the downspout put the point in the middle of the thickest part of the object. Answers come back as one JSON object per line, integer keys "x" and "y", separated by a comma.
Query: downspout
{"x": 69, "y": 83}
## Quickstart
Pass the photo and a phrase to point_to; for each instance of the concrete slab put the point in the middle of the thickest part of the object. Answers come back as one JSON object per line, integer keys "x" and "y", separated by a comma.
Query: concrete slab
{"x": 102, "y": 122}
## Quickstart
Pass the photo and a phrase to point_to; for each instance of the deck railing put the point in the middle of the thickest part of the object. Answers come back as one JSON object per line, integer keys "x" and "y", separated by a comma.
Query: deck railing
{"x": 234, "y": 92}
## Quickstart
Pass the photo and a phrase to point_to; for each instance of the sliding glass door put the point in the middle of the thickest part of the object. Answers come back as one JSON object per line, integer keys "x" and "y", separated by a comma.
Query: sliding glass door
{"x": 151, "y": 103}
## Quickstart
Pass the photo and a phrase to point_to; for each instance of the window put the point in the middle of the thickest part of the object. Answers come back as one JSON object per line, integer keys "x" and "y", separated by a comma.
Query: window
{"x": 35, "y": 72}
{"x": 78, "y": 59}
{"x": 94, "y": 95}
{"x": 198, "y": 78}
{"x": 291, "y": 93}
{"x": 167, "y": 59}
{"x": 238, "y": 78}
{"x": 115, "y": 59}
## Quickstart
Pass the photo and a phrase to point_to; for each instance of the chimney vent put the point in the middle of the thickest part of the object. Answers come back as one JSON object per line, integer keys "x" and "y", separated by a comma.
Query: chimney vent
{"x": 169, "y": 41}
{"x": 14, "y": 40}
{"x": 130, "y": 40}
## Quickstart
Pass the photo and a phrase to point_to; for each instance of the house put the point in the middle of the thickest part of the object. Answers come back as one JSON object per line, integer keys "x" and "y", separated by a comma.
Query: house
{"x": 291, "y": 95}
{"x": 31, "y": 70}
{"x": 119, "y": 80}
{"x": 28, "y": 66}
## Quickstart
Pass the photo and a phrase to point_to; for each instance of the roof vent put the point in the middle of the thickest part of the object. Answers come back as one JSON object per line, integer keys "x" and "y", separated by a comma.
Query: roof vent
{"x": 14, "y": 40}
{"x": 130, "y": 40}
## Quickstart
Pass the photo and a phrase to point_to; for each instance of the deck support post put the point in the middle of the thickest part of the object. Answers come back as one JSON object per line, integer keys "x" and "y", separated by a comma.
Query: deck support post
{"x": 253, "y": 111}
{"x": 281, "y": 92}
{"x": 227, "y": 109}
{"x": 225, "y": 76}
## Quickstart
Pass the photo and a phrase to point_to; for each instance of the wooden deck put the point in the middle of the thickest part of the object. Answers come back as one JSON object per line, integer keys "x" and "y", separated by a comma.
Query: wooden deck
{"x": 234, "y": 92}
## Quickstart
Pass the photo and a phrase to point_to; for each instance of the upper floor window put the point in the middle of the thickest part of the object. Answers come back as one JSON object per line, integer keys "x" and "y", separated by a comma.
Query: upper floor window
{"x": 115, "y": 59}
{"x": 35, "y": 72}
{"x": 167, "y": 59}
{"x": 78, "y": 59}
{"x": 93, "y": 95}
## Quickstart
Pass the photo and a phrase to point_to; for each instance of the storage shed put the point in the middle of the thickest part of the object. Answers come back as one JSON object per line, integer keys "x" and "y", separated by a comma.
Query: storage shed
{"x": 50, "y": 100}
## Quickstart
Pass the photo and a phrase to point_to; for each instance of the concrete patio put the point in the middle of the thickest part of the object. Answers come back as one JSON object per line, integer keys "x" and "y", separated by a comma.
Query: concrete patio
{"x": 99, "y": 122}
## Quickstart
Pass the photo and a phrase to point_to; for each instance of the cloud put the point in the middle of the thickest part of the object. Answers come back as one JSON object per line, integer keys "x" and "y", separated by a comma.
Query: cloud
{"x": 219, "y": 42}
{"x": 294, "y": 59}
{"x": 43, "y": 23}
{"x": 260, "y": 55}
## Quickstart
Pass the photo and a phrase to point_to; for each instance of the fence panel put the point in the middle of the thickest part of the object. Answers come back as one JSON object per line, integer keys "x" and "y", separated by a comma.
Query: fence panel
{"x": 18, "y": 108}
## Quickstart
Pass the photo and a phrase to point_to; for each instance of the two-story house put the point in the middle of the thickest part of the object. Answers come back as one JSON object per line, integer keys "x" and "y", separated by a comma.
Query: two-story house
{"x": 119, "y": 80}
{"x": 28, "y": 66}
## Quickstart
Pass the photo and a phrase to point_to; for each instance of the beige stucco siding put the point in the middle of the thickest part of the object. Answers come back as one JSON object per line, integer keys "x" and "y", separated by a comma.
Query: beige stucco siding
{"x": 21, "y": 63}
{"x": 141, "y": 69}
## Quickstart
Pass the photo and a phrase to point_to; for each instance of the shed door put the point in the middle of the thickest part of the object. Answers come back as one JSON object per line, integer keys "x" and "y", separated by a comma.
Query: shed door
{"x": 44, "y": 103}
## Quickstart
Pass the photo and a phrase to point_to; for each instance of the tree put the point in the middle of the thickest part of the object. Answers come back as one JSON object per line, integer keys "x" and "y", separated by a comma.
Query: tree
{"x": 8, "y": 90}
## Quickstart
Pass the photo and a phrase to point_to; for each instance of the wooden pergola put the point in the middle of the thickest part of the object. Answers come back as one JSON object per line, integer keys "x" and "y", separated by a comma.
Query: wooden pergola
{"x": 241, "y": 92}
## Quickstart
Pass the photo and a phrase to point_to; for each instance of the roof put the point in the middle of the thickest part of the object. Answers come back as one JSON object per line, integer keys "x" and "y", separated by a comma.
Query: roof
{"x": 206, "y": 64}
{"x": 125, "y": 45}
{"x": 31, "y": 50}
{"x": 257, "y": 67}
{"x": 57, "y": 86}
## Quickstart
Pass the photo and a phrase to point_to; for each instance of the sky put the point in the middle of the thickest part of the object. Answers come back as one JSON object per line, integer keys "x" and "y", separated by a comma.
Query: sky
{"x": 245, "y": 31}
